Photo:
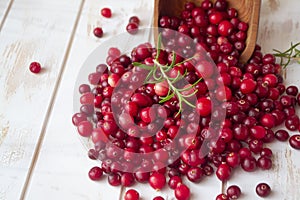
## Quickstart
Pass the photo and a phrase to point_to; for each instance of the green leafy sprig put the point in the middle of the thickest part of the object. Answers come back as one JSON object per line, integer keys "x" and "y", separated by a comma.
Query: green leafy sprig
{"x": 293, "y": 53}
{"x": 158, "y": 73}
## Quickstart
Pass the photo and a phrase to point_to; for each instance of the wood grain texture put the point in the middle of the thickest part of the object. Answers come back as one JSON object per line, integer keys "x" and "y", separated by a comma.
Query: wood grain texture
{"x": 277, "y": 30}
{"x": 248, "y": 10}
{"x": 33, "y": 30}
{"x": 5, "y": 6}
{"x": 62, "y": 166}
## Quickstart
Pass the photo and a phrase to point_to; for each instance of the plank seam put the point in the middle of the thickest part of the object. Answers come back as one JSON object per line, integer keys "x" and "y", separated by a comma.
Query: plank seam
{"x": 51, "y": 104}
{"x": 6, "y": 14}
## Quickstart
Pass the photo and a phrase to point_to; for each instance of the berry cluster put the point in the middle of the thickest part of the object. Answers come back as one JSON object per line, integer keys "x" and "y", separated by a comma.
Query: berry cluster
{"x": 145, "y": 131}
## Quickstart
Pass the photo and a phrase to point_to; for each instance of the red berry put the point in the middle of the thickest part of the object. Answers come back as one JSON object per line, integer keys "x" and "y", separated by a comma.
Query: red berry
{"x": 132, "y": 195}
{"x": 222, "y": 197}
{"x": 182, "y": 192}
{"x": 225, "y": 28}
{"x": 158, "y": 198}
{"x": 203, "y": 106}
{"x": 98, "y": 32}
{"x": 223, "y": 172}
{"x": 95, "y": 173}
{"x": 35, "y": 67}
{"x": 132, "y": 28}
{"x": 263, "y": 189}
{"x": 106, "y": 12}
{"x": 295, "y": 141}
{"x": 233, "y": 192}
{"x": 134, "y": 19}
{"x": 157, "y": 180}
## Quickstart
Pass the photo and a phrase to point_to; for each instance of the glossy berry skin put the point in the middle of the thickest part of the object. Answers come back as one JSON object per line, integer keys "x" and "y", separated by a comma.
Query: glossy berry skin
{"x": 282, "y": 135}
{"x": 249, "y": 164}
{"x": 158, "y": 198}
{"x": 222, "y": 197}
{"x": 98, "y": 32}
{"x": 182, "y": 192}
{"x": 223, "y": 172}
{"x": 132, "y": 195}
{"x": 95, "y": 173}
{"x": 35, "y": 67}
{"x": 157, "y": 180}
{"x": 247, "y": 86}
{"x": 233, "y": 192}
{"x": 225, "y": 28}
{"x": 203, "y": 106}
{"x": 134, "y": 19}
{"x": 263, "y": 189}
{"x": 295, "y": 141}
{"x": 174, "y": 181}
{"x": 106, "y": 12}
{"x": 132, "y": 28}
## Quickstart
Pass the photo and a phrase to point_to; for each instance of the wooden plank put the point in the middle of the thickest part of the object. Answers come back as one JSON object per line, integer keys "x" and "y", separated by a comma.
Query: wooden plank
{"x": 33, "y": 30}
{"x": 4, "y": 10}
{"x": 277, "y": 30}
{"x": 62, "y": 166}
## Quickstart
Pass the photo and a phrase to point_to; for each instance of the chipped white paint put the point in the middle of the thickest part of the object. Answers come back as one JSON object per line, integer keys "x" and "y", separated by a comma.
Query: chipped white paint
{"x": 32, "y": 30}
{"x": 40, "y": 30}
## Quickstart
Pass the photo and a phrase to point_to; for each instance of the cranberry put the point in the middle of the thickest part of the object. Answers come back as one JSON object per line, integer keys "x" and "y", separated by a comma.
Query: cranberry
{"x": 134, "y": 19}
{"x": 292, "y": 90}
{"x": 132, "y": 28}
{"x": 131, "y": 195}
{"x": 182, "y": 192}
{"x": 195, "y": 174}
{"x": 127, "y": 179}
{"x": 157, "y": 180}
{"x": 98, "y": 32}
{"x": 174, "y": 181}
{"x": 203, "y": 106}
{"x": 106, "y": 12}
{"x": 35, "y": 67}
{"x": 249, "y": 164}
{"x": 158, "y": 198}
{"x": 292, "y": 123}
{"x": 295, "y": 141}
{"x": 225, "y": 28}
{"x": 222, "y": 197}
{"x": 282, "y": 135}
{"x": 264, "y": 162}
{"x": 95, "y": 173}
{"x": 233, "y": 159}
{"x": 233, "y": 192}
{"x": 223, "y": 172}
{"x": 263, "y": 189}
{"x": 85, "y": 128}
{"x": 114, "y": 179}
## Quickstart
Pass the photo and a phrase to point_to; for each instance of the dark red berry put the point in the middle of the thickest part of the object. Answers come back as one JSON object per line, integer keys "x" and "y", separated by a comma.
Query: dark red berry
{"x": 35, "y": 67}
{"x": 98, "y": 32}
{"x": 295, "y": 141}
{"x": 263, "y": 189}
{"x": 95, "y": 173}
{"x": 132, "y": 28}
{"x": 233, "y": 192}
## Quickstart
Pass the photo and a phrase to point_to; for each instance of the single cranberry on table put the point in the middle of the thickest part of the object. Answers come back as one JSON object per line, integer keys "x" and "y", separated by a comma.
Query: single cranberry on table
{"x": 95, "y": 173}
{"x": 131, "y": 194}
{"x": 295, "y": 141}
{"x": 182, "y": 192}
{"x": 132, "y": 28}
{"x": 98, "y": 32}
{"x": 106, "y": 12}
{"x": 222, "y": 197}
{"x": 233, "y": 192}
{"x": 35, "y": 67}
{"x": 263, "y": 190}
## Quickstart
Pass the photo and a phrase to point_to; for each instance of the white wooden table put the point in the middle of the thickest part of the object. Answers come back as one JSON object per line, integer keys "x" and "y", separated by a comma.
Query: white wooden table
{"x": 41, "y": 156}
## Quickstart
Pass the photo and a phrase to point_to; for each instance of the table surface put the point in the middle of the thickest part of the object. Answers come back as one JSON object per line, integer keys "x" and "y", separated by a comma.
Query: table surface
{"x": 41, "y": 156}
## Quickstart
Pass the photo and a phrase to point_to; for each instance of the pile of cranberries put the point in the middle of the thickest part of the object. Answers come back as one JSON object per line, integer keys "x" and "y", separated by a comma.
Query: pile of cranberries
{"x": 125, "y": 118}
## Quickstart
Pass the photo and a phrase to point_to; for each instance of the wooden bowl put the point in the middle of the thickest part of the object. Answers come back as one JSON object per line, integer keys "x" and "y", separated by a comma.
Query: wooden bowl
{"x": 248, "y": 11}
